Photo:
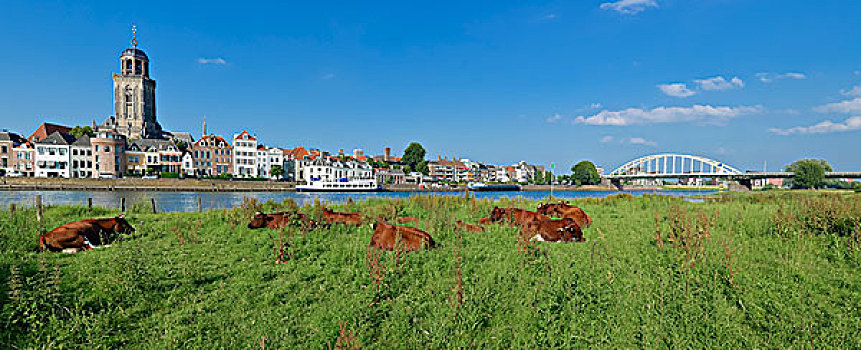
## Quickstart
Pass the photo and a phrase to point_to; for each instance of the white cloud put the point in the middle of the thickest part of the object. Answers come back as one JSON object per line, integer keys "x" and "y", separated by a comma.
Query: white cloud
{"x": 629, "y": 7}
{"x": 554, "y": 118}
{"x": 218, "y": 60}
{"x": 606, "y": 139}
{"x": 854, "y": 91}
{"x": 551, "y": 16}
{"x": 825, "y": 127}
{"x": 595, "y": 105}
{"x": 696, "y": 113}
{"x": 676, "y": 90}
{"x": 642, "y": 141}
{"x": 720, "y": 83}
{"x": 770, "y": 77}
{"x": 848, "y": 106}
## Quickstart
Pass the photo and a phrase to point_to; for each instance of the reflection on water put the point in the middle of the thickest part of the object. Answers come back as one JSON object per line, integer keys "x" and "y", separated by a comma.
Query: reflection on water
{"x": 187, "y": 201}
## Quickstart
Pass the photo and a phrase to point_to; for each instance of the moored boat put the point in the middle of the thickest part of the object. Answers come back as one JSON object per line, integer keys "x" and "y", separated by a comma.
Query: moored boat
{"x": 481, "y": 186}
{"x": 342, "y": 185}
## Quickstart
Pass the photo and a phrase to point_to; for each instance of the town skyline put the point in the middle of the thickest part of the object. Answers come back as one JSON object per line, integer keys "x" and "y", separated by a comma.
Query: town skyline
{"x": 741, "y": 113}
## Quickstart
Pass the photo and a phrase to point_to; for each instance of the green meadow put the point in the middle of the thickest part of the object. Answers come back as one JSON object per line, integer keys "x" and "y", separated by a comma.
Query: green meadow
{"x": 765, "y": 270}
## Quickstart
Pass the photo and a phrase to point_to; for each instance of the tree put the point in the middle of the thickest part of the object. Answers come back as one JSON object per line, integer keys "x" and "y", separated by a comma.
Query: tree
{"x": 538, "y": 179}
{"x": 809, "y": 173}
{"x": 277, "y": 171}
{"x": 182, "y": 146}
{"x": 423, "y": 167}
{"x": 80, "y": 131}
{"x": 414, "y": 155}
{"x": 585, "y": 173}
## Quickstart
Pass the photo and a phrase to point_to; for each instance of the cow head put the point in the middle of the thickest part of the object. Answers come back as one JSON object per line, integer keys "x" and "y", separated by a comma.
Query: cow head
{"x": 571, "y": 232}
{"x": 497, "y": 214}
{"x": 122, "y": 226}
{"x": 544, "y": 209}
{"x": 259, "y": 220}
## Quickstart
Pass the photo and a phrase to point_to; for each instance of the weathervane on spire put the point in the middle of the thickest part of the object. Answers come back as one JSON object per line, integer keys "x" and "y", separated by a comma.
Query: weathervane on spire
{"x": 134, "y": 36}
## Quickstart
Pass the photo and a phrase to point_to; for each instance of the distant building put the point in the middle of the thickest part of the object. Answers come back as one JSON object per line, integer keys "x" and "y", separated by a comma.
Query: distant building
{"x": 244, "y": 155}
{"x": 53, "y": 155}
{"x": 188, "y": 164}
{"x": 154, "y": 155}
{"x": 323, "y": 169}
{"x": 109, "y": 153}
{"x": 8, "y": 142}
{"x": 213, "y": 156}
{"x": 25, "y": 158}
{"x": 82, "y": 158}
{"x": 390, "y": 176}
{"x": 268, "y": 157}
{"x": 134, "y": 97}
{"x": 448, "y": 170}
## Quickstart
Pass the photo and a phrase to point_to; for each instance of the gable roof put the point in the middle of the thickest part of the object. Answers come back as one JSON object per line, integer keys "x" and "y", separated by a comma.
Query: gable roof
{"x": 11, "y": 136}
{"x": 244, "y": 135}
{"x": 151, "y": 145}
{"x": 83, "y": 141}
{"x": 57, "y": 138}
{"x": 47, "y": 129}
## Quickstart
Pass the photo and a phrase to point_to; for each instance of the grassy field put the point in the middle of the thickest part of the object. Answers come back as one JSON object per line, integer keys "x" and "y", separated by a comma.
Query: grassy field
{"x": 753, "y": 271}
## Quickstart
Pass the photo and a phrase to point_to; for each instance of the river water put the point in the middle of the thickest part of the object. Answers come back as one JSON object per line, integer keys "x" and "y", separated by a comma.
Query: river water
{"x": 187, "y": 201}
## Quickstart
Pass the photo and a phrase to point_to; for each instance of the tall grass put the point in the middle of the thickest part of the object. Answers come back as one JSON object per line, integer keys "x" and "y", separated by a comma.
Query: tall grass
{"x": 770, "y": 270}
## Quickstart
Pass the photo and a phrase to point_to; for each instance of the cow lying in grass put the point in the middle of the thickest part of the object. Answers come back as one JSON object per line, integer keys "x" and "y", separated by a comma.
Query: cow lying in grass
{"x": 387, "y": 236}
{"x": 469, "y": 227}
{"x": 281, "y": 220}
{"x": 84, "y": 234}
{"x": 331, "y": 217}
{"x": 515, "y": 216}
{"x": 408, "y": 219}
{"x": 565, "y": 210}
{"x": 562, "y": 230}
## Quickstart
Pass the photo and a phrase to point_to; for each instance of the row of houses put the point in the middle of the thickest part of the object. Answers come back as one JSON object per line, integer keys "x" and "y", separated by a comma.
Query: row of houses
{"x": 52, "y": 151}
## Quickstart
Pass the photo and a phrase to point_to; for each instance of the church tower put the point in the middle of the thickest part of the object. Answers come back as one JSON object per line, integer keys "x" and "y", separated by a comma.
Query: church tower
{"x": 134, "y": 95}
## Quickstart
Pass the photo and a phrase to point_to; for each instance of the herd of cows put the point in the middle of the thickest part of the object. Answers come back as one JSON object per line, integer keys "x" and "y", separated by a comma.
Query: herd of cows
{"x": 91, "y": 233}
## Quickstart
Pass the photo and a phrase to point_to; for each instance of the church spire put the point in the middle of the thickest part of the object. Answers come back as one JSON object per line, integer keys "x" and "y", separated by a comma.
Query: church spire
{"x": 204, "y": 125}
{"x": 134, "y": 41}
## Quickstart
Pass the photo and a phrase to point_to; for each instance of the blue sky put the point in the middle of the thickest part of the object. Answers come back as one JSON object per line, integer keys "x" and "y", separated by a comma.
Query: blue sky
{"x": 741, "y": 81}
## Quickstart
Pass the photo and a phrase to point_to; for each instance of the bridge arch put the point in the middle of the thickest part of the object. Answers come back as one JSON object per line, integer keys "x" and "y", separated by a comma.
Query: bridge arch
{"x": 675, "y": 164}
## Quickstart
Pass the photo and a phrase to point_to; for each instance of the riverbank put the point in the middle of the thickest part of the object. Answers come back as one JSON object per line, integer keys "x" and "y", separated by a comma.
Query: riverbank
{"x": 754, "y": 270}
{"x": 138, "y": 184}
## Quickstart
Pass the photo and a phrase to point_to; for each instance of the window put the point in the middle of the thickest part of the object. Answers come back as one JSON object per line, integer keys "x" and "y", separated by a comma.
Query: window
{"x": 107, "y": 149}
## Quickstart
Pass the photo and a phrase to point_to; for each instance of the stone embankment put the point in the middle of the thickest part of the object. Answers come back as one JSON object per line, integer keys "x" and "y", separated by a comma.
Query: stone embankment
{"x": 136, "y": 184}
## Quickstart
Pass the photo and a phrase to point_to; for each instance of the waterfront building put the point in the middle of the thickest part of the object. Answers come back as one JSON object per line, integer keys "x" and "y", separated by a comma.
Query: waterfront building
{"x": 267, "y": 157}
{"x": 53, "y": 156}
{"x": 8, "y": 142}
{"x": 326, "y": 169}
{"x": 213, "y": 156}
{"x": 25, "y": 158}
{"x": 109, "y": 154}
{"x": 154, "y": 155}
{"x": 188, "y": 164}
{"x": 244, "y": 155}
{"x": 134, "y": 96}
{"x": 82, "y": 158}
{"x": 448, "y": 170}
{"x": 390, "y": 176}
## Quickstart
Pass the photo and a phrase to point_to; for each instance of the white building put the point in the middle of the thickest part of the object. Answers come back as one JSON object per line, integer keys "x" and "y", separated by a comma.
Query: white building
{"x": 267, "y": 158}
{"x": 188, "y": 164}
{"x": 82, "y": 158}
{"x": 245, "y": 155}
{"x": 322, "y": 169}
{"x": 53, "y": 156}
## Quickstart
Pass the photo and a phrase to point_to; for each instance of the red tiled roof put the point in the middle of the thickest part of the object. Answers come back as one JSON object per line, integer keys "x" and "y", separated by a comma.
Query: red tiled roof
{"x": 47, "y": 129}
{"x": 246, "y": 134}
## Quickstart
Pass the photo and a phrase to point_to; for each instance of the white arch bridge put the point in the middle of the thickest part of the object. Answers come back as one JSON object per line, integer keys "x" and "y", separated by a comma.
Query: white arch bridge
{"x": 685, "y": 166}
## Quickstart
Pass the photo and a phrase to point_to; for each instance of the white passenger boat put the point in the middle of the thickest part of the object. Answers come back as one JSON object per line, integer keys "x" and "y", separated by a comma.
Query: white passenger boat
{"x": 342, "y": 185}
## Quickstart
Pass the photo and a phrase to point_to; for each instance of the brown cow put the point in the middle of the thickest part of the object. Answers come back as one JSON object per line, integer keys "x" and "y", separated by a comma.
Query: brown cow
{"x": 386, "y": 236}
{"x": 408, "y": 219}
{"x": 554, "y": 230}
{"x": 280, "y": 220}
{"x": 332, "y": 217}
{"x": 564, "y": 210}
{"x": 469, "y": 227}
{"x": 485, "y": 221}
{"x": 84, "y": 234}
{"x": 516, "y": 216}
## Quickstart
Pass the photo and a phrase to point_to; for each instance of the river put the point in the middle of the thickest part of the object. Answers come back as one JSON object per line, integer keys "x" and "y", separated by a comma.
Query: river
{"x": 187, "y": 201}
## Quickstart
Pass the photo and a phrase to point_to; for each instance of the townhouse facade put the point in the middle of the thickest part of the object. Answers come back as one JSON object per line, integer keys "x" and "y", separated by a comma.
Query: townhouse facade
{"x": 109, "y": 154}
{"x": 213, "y": 156}
{"x": 82, "y": 158}
{"x": 244, "y": 155}
{"x": 267, "y": 158}
{"x": 8, "y": 142}
{"x": 25, "y": 159}
{"x": 325, "y": 169}
{"x": 53, "y": 155}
